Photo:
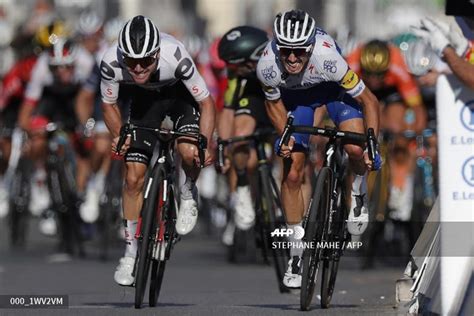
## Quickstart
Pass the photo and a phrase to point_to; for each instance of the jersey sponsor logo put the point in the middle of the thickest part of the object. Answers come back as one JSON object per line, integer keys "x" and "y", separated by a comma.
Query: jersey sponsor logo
{"x": 268, "y": 73}
{"x": 350, "y": 80}
{"x": 106, "y": 71}
{"x": 244, "y": 102}
{"x": 232, "y": 36}
{"x": 330, "y": 66}
{"x": 195, "y": 89}
{"x": 108, "y": 91}
{"x": 327, "y": 44}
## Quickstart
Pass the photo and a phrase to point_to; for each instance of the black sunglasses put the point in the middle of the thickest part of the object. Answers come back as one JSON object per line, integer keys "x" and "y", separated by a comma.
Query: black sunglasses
{"x": 143, "y": 62}
{"x": 299, "y": 52}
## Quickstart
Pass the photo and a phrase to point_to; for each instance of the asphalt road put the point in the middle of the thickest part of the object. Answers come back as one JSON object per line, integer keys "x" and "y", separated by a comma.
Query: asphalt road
{"x": 198, "y": 281}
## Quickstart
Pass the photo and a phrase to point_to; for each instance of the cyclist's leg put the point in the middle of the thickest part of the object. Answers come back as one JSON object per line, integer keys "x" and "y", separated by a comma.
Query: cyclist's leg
{"x": 292, "y": 194}
{"x": 145, "y": 110}
{"x": 185, "y": 115}
{"x": 347, "y": 115}
{"x": 248, "y": 115}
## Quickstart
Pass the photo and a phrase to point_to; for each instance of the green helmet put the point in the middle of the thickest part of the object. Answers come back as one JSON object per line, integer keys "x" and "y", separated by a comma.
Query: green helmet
{"x": 402, "y": 40}
{"x": 241, "y": 44}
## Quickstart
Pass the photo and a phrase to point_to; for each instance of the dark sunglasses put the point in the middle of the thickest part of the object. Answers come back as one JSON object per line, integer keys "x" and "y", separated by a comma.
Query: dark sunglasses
{"x": 297, "y": 51}
{"x": 55, "y": 67}
{"x": 143, "y": 62}
{"x": 373, "y": 74}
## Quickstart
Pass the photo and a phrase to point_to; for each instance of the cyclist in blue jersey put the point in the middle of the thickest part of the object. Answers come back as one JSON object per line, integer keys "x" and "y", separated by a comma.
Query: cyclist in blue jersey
{"x": 302, "y": 69}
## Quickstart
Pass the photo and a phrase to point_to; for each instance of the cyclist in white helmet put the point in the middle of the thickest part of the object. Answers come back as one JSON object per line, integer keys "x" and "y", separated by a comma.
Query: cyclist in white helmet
{"x": 302, "y": 69}
{"x": 162, "y": 80}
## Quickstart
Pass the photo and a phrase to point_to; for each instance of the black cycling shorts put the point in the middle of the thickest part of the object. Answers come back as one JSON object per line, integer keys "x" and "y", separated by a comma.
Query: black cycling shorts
{"x": 253, "y": 106}
{"x": 149, "y": 108}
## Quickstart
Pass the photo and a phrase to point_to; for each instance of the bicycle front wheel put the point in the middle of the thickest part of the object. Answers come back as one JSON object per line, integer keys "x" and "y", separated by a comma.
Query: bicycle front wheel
{"x": 147, "y": 237}
{"x": 314, "y": 229}
{"x": 331, "y": 256}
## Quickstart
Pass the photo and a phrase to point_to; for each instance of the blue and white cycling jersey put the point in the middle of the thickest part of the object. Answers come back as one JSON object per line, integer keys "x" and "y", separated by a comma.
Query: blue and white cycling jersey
{"x": 326, "y": 80}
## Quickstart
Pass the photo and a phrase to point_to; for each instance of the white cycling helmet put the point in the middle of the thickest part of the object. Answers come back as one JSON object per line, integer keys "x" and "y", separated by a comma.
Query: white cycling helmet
{"x": 419, "y": 57}
{"x": 62, "y": 53}
{"x": 294, "y": 28}
{"x": 112, "y": 29}
{"x": 89, "y": 23}
{"x": 139, "y": 38}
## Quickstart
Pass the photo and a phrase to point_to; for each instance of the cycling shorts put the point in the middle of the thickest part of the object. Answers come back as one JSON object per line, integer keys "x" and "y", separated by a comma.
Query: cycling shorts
{"x": 302, "y": 104}
{"x": 149, "y": 108}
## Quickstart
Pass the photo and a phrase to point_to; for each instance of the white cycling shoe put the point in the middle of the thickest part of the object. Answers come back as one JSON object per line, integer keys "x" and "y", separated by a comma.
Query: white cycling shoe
{"x": 123, "y": 273}
{"x": 358, "y": 218}
{"x": 89, "y": 210}
{"x": 244, "y": 215}
{"x": 187, "y": 215}
{"x": 292, "y": 278}
{"x": 228, "y": 234}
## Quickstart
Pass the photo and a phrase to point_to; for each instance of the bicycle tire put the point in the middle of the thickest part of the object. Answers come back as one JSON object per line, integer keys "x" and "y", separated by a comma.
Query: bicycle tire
{"x": 148, "y": 224}
{"x": 156, "y": 279}
{"x": 158, "y": 267}
{"x": 331, "y": 258}
{"x": 313, "y": 232}
{"x": 280, "y": 256}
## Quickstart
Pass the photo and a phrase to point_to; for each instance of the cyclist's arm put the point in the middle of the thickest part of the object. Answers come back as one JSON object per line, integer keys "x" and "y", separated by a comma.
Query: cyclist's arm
{"x": 84, "y": 105}
{"x": 113, "y": 119}
{"x": 370, "y": 106}
{"x": 277, "y": 113}
{"x": 85, "y": 100}
{"x": 34, "y": 90}
{"x": 24, "y": 115}
{"x": 225, "y": 124}
{"x": 461, "y": 68}
{"x": 208, "y": 118}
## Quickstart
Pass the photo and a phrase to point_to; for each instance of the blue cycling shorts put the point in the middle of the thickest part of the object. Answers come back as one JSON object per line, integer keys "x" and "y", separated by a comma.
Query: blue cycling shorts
{"x": 303, "y": 102}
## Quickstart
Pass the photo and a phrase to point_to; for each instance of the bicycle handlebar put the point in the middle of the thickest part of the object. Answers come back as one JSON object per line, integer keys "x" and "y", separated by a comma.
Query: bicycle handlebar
{"x": 371, "y": 144}
{"x": 222, "y": 143}
{"x": 348, "y": 137}
{"x": 201, "y": 139}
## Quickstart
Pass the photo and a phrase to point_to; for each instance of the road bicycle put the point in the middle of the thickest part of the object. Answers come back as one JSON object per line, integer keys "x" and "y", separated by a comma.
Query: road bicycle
{"x": 156, "y": 233}
{"x": 59, "y": 165}
{"x": 268, "y": 206}
{"x": 324, "y": 223}
{"x": 110, "y": 220}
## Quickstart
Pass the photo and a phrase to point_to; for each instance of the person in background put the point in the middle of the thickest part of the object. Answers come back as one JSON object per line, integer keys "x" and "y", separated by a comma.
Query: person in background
{"x": 450, "y": 45}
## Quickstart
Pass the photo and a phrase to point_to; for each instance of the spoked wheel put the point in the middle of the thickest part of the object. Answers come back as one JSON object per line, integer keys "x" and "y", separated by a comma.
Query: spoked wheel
{"x": 271, "y": 201}
{"x": 331, "y": 256}
{"x": 314, "y": 229}
{"x": 156, "y": 277}
{"x": 164, "y": 247}
{"x": 328, "y": 279}
{"x": 145, "y": 244}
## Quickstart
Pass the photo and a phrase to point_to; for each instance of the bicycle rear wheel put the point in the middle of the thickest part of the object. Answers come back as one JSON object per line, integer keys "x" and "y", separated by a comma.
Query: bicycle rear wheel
{"x": 145, "y": 243}
{"x": 314, "y": 229}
